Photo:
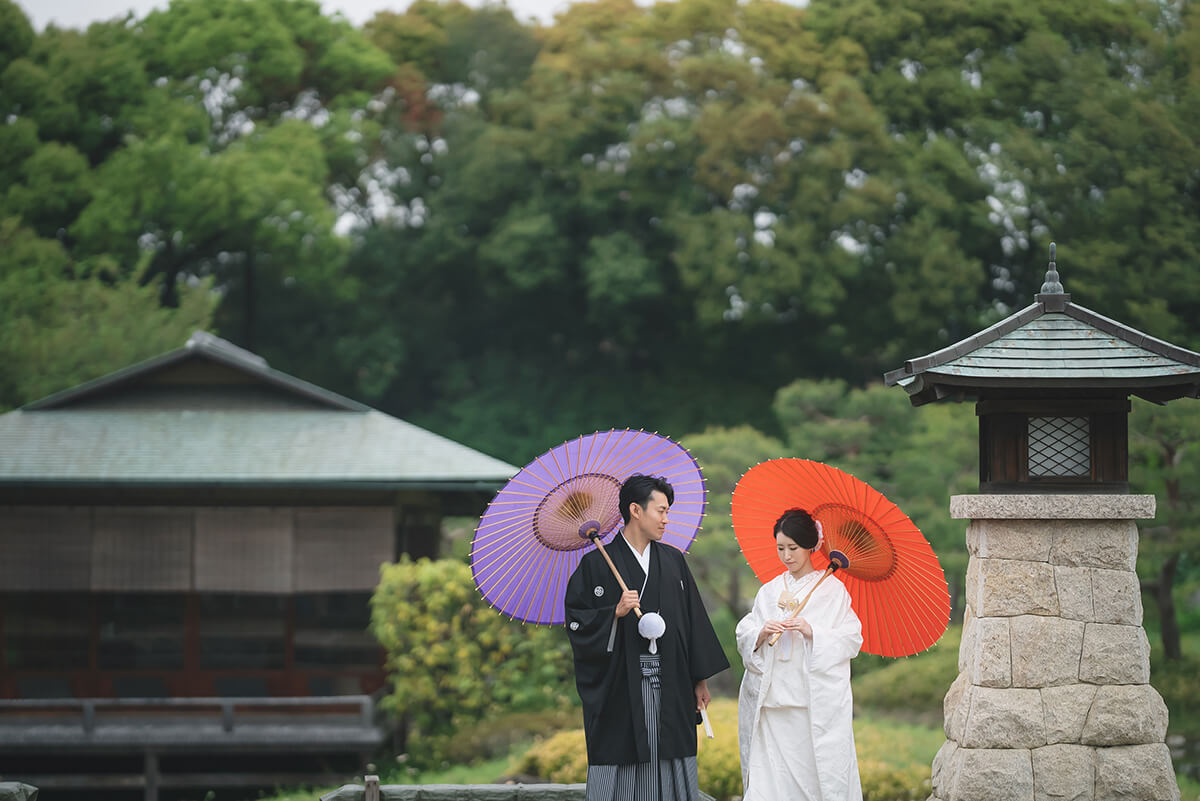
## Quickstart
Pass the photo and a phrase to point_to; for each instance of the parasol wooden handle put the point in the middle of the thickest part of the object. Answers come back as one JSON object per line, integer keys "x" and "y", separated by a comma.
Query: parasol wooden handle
{"x": 837, "y": 561}
{"x": 828, "y": 572}
{"x": 594, "y": 536}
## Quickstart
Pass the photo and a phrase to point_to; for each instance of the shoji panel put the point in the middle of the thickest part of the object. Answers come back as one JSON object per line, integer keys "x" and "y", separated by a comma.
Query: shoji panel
{"x": 244, "y": 549}
{"x": 341, "y": 548}
{"x": 45, "y": 547}
{"x": 142, "y": 548}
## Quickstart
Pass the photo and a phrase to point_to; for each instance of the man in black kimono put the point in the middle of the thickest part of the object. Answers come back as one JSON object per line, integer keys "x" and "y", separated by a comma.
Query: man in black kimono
{"x": 641, "y": 701}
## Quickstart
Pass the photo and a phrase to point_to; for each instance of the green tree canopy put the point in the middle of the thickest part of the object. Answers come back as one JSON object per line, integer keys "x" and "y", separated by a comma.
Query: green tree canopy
{"x": 1165, "y": 461}
{"x": 62, "y": 327}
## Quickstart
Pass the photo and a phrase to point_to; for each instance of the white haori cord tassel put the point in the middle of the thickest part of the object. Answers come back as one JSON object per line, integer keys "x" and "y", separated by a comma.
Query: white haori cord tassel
{"x": 652, "y": 626}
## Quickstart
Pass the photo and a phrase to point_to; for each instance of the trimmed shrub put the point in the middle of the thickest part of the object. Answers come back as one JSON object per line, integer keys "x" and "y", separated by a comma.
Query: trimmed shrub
{"x": 884, "y": 782}
{"x": 453, "y": 661}
{"x": 561, "y": 759}
{"x": 499, "y": 736}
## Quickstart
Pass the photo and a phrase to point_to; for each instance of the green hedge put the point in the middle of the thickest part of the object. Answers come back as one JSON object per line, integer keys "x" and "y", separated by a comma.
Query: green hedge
{"x": 505, "y": 734}
{"x": 912, "y": 687}
{"x": 454, "y": 662}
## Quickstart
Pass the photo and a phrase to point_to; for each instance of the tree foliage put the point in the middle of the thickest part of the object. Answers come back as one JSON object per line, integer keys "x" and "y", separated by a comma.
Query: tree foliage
{"x": 61, "y": 328}
{"x": 725, "y": 179}
{"x": 658, "y": 217}
{"x": 649, "y": 216}
{"x": 1165, "y": 462}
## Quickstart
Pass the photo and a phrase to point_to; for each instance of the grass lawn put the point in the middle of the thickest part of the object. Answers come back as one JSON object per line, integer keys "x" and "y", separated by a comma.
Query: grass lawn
{"x": 897, "y": 726}
{"x": 896, "y": 743}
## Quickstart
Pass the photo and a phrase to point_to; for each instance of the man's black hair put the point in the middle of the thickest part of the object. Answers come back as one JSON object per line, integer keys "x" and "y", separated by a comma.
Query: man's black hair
{"x": 638, "y": 489}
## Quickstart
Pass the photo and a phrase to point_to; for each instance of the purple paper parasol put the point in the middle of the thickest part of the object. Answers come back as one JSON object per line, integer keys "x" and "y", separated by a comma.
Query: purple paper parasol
{"x": 529, "y": 541}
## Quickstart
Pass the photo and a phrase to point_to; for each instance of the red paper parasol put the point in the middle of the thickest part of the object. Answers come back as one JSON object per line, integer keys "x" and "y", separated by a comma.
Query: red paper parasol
{"x": 534, "y": 532}
{"x": 896, "y": 584}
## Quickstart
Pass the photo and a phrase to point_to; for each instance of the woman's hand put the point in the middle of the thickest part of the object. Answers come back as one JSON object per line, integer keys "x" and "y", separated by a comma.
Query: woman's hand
{"x": 779, "y": 626}
{"x": 769, "y": 630}
{"x": 801, "y": 625}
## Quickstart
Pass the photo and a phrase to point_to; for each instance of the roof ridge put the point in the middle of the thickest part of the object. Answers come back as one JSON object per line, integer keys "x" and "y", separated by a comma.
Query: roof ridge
{"x": 204, "y": 340}
{"x": 207, "y": 345}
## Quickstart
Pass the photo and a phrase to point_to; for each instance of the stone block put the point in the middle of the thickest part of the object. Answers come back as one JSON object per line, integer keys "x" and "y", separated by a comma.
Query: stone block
{"x": 992, "y": 774}
{"x": 1010, "y": 718}
{"x": 942, "y": 773}
{"x": 1066, "y": 710}
{"x": 1141, "y": 772}
{"x": 1045, "y": 650}
{"x": 1117, "y": 597}
{"x": 990, "y": 664}
{"x": 1063, "y": 773}
{"x": 955, "y": 706}
{"x": 972, "y": 585}
{"x": 1052, "y": 507}
{"x": 1108, "y": 544}
{"x": 1114, "y": 654}
{"x": 1074, "y": 585}
{"x": 1028, "y": 540}
{"x": 446, "y": 792}
{"x": 1126, "y": 714}
{"x": 1008, "y": 587}
{"x": 563, "y": 792}
{"x": 966, "y": 645}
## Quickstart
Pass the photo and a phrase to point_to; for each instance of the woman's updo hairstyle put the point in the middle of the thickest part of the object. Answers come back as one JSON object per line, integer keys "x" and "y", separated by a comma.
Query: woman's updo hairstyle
{"x": 798, "y": 526}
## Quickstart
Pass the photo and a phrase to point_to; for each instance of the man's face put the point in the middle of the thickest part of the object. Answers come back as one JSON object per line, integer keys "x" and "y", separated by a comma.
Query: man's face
{"x": 653, "y": 519}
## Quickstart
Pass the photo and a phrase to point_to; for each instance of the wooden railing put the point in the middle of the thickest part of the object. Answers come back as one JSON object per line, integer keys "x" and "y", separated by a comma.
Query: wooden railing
{"x": 156, "y": 728}
{"x": 88, "y": 706}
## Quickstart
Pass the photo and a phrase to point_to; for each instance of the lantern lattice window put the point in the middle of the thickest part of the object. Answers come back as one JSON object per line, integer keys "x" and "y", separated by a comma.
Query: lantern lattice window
{"x": 1059, "y": 446}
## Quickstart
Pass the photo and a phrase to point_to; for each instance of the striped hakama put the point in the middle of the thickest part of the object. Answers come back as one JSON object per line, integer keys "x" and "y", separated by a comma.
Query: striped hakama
{"x": 656, "y": 780}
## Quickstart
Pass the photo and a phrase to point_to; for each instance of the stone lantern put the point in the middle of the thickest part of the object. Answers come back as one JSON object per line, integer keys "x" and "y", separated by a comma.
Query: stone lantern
{"x": 1053, "y": 699}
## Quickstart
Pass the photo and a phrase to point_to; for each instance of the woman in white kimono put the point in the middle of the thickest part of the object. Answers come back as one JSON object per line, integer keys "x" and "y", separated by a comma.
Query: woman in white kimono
{"x": 795, "y": 708}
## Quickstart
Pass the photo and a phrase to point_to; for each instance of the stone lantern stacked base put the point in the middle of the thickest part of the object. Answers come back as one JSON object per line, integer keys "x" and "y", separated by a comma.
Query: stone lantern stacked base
{"x": 1053, "y": 699}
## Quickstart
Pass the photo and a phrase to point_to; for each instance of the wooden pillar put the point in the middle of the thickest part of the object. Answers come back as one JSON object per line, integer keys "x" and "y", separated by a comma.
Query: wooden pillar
{"x": 418, "y": 525}
{"x": 151, "y": 776}
{"x": 190, "y": 676}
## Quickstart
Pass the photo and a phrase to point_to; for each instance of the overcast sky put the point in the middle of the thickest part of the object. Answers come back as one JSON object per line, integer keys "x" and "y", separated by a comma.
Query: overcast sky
{"x": 80, "y": 13}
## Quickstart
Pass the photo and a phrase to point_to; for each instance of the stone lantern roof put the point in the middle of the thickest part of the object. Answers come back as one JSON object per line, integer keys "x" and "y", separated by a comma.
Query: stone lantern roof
{"x": 1052, "y": 344}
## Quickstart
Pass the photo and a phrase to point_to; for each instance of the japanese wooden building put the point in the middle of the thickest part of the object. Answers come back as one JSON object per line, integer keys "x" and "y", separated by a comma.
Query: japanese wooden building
{"x": 198, "y": 530}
